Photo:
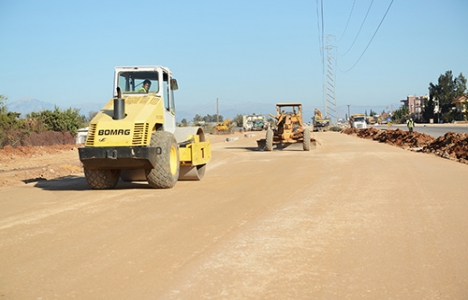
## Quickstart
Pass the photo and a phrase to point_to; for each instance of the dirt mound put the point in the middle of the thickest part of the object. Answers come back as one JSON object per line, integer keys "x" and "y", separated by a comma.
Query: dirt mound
{"x": 397, "y": 137}
{"x": 452, "y": 145}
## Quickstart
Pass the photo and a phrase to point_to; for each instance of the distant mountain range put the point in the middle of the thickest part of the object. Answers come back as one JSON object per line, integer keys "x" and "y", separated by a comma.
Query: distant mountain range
{"x": 26, "y": 106}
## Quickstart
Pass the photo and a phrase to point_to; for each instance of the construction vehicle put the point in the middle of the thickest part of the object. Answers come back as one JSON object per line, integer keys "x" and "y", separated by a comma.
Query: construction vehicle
{"x": 358, "y": 121}
{"x": 289, "y": 128}
{"x": 258, "y": 125}
{"x": 223, "y": 127}
{"x": 253, "y": 122}
{"x": 371, "y": 120}
{"x": 134, "y": 137}
{"x": 320, "y": 124}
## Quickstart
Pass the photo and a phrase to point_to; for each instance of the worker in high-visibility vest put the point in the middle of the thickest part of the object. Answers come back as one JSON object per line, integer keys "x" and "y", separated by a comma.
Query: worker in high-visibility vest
{"x": 146, "y": 86}
{"x": 410, "y": 124}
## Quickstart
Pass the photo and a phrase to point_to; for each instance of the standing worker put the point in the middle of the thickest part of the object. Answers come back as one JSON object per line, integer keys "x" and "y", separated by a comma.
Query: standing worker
{"x": 410, "y": 124}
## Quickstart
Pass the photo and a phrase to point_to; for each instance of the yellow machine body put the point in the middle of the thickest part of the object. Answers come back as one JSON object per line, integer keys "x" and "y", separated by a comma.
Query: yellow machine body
{"x": 134, "y": 136}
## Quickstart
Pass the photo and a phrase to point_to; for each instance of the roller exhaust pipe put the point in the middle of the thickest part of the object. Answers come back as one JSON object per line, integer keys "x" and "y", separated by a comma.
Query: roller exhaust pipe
{"x": 119, "y": 106}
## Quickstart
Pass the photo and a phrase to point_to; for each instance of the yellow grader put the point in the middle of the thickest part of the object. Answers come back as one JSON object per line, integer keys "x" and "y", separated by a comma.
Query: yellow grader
{"x": 289, "y": 128}
{"x": 134, "y": 137}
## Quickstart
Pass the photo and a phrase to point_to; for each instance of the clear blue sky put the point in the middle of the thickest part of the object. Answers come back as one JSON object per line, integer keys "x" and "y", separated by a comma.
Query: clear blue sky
{"x": 248, "y": 54}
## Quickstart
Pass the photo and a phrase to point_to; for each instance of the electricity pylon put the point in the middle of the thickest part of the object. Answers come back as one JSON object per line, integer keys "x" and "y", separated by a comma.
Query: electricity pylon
{"x": 329, "y": 81}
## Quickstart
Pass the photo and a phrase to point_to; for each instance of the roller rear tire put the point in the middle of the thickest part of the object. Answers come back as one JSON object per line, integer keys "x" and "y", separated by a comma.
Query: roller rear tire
{"x": 102, "y": 178}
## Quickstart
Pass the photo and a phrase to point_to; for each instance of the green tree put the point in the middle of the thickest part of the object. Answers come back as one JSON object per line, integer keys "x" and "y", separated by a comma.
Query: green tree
{"x": 8, "y": 119}
{"x": 239, "y": 119}
{"x": 446, "y": 90}
{"x": 429, "y": 107}
{"x": 401, "y": 114}
{"x": 58, "y": 120}
{"x": 184, "y": 122}
{"x": 3, "y": 108}
{"x": 197, "y": 119}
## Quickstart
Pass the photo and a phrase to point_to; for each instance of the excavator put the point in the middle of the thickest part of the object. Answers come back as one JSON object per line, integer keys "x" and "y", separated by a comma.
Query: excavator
{"x": 320, "y": 124}
{"x": 223, "y": 127}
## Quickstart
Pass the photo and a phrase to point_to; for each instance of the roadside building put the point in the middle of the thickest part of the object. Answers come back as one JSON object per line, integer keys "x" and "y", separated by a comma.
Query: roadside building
{"x": 415, "y": 106}
{"x": 81, "y": 136}
{"x": 461, "y": 104}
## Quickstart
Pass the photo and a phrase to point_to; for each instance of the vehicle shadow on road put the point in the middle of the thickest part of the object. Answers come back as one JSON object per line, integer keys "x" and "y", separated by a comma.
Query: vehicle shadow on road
{"x": 292, "y": 147}
{"x": 78, "y": 183}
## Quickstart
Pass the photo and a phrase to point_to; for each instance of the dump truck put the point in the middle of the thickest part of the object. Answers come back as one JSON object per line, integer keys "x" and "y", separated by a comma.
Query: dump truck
{"x": 358, "y": 121}
{"x": 258, "y": 125}
{"x": 134, "y": 137}
{"x": 289, "y": 129}
{"x": 253, "y": 122}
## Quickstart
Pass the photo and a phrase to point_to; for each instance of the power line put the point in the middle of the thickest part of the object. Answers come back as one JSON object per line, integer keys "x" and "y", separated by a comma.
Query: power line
{"x": 360, "y": 28}
{"x": 319, "y": 35}
{"x": 347, "y": 23}
{"x": 321, "y": 31}
{"x": 323, "y": 22}
{"x": 362, "y": 54}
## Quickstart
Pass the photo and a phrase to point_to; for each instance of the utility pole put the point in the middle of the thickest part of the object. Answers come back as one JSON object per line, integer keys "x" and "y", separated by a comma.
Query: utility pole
{"x": 217, "y": 111}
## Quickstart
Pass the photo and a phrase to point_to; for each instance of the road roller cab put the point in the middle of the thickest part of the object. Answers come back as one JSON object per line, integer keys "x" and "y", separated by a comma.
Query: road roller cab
{"x": 134, "y": 137}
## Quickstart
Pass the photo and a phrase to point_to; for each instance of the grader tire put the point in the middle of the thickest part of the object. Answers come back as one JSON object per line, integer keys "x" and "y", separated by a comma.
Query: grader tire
{"x": 100, "y": 179}
{"x": 306, "y": 142}
{"x": 269, "y": 140}
{"x": 166, "y": 171}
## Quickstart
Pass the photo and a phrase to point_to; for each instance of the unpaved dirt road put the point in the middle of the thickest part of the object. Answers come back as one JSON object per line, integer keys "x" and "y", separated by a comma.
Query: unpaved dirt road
{"x": 351, "y": 219}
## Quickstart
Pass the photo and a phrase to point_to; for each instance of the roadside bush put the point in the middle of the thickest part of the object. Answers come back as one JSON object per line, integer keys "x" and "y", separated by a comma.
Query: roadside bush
{"x": 334, "y": 128}
{"x": 57, "y": 127}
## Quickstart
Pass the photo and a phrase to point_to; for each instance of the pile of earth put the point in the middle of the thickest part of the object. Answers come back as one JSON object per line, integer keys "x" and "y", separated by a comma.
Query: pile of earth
{"x": 452, "y": 145}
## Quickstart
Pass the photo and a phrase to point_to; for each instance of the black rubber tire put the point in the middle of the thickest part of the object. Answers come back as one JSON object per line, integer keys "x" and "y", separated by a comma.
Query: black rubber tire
{"x": 166, "y": 171}
{"x": 269, "y": 140}
{"x": 100, "y": 179}
{"x": 306, "y": 142}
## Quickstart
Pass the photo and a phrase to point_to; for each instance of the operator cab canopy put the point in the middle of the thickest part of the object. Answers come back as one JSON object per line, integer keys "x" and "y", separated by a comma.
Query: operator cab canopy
{"x": 130, "y": 79}
{"x": 289, "y": 107}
